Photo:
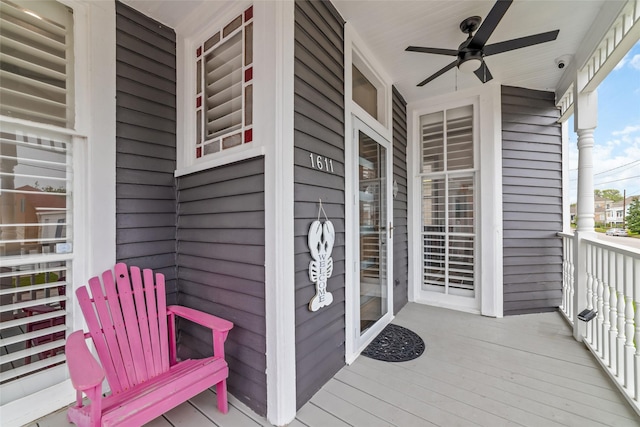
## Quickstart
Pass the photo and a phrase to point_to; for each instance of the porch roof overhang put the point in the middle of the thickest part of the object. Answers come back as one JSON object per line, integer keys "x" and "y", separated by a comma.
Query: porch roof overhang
{"x": 388, "y": 27}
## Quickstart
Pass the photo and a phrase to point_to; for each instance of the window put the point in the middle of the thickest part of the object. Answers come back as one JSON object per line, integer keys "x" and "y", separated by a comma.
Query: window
{"x": 368, "y": 90}
{"x": 224, "y": 87}
{"x": 365, "y": 93}
{"x": 36, "y": 178}
{"x": 448, "y": 201}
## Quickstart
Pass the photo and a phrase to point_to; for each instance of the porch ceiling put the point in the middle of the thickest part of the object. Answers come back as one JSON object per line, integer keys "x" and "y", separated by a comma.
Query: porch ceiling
{"x": 389, "y": 26}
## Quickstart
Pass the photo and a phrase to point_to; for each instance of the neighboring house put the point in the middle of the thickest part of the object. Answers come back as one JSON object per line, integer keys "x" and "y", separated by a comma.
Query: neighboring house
{"x": 202, "y": 139}
{"x": 601, "y": 205}
{"x": 34, "y": 206}
{"x": 615, "y": 213}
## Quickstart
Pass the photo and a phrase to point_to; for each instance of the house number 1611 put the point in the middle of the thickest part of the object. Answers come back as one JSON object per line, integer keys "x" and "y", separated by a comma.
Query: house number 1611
{"x": 321, "y": 163}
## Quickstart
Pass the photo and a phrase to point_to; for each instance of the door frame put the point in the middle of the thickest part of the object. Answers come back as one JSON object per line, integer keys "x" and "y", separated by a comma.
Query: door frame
{"x": 355, "y": 341}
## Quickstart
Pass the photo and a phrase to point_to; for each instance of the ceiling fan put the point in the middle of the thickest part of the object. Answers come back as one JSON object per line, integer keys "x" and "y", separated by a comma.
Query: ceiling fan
{"x": 470, "y": 54}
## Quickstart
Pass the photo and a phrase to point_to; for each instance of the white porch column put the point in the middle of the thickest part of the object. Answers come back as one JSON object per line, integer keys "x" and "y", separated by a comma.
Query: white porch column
{"x": 585, "y": 122}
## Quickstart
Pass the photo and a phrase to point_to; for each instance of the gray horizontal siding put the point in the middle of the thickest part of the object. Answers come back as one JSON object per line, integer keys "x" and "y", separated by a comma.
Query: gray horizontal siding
{"x": 319, "y": 129}
{"x": 220, "y": 258}
{"x": 532, "y": 201}
{"x": 400, "y": 234}
{"x": 145, "y": 144}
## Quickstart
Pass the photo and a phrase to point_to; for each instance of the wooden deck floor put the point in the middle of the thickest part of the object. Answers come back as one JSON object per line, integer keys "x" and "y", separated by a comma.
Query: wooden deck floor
{"x": 521, "y": 370}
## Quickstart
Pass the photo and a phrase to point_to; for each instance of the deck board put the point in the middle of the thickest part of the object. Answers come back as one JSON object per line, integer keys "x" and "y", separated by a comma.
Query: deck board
{"x": 476, "y": 371}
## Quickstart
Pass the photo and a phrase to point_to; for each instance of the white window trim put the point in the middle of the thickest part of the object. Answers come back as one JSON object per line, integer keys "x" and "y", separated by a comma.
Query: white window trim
{"x": 489, "y": 269}
{"x": 94, "y": 159}
{"x": 190, "y": 34}
{"x": 355, "y": 45}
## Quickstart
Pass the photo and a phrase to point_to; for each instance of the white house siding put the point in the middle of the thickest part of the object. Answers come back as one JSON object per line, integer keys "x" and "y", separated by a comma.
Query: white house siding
{"x": 532, "y": 201}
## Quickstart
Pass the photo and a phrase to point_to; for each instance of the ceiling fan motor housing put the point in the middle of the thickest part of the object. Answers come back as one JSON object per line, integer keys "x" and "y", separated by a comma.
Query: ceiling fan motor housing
{"x": 470, "y": 24}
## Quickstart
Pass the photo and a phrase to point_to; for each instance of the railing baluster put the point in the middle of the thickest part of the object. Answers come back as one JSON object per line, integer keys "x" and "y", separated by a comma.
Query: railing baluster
{"x": 570, "y": 242}
{"x": 613, "y": 307}
{"x": 591, "y": 295}
{"x": 600, "y": 293}
{"x": 618, "y": 265}
{"x": 632, "y": 354}
{"x": 565, "y": 277}
{"x": 606, "y": 300}
{"x": 626, "y": 269}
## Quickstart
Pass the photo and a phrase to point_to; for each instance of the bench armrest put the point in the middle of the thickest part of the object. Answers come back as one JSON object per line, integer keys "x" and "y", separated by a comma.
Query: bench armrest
{"x": 84, "y": 370}
{"x": 220, "y": 328}
{"x": 210, "y": 321}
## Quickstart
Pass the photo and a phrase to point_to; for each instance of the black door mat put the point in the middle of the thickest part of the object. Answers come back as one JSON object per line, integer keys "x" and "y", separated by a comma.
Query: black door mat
{"x": 395, "y": 344}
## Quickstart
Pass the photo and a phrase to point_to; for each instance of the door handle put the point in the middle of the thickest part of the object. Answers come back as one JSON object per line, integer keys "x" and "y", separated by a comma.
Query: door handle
{"x": 390, "y": 230}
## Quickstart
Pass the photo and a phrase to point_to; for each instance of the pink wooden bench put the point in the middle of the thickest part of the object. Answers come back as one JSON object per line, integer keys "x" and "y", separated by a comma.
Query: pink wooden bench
{"x": 133, "y": 332}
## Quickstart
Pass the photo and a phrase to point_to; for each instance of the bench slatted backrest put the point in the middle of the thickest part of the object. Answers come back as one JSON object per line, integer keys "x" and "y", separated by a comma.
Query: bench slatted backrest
{"x": 127, "y": 320}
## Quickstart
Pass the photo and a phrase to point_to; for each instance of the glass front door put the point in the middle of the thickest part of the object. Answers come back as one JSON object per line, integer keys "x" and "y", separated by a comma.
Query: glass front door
{"x": 373, "y": 230}
{"x": 374, "y": 233}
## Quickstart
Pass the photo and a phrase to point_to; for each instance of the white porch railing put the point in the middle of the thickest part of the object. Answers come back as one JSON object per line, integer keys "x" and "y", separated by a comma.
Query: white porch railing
{"x": 613, "y": 291}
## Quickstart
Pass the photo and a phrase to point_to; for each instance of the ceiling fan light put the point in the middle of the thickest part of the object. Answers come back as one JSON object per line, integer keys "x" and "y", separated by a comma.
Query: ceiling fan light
{"x": 470, "y": 62}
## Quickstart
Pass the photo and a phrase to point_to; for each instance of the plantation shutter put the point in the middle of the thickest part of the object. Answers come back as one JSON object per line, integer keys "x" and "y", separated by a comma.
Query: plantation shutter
{"x": 35, "y": 50}
{"x": 224, "y": 87}
{"x": 223, "y": 68}
{"x": 448, "y": 202}
{"x": 36, "y": 209}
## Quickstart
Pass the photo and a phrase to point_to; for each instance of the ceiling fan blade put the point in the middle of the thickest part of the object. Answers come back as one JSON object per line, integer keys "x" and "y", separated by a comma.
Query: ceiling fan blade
{"x": 483, "y": 73}
{"x": 437, "y": 51}
{"x": 489, "y": 24}
{"x": 508, "y": 45}
{"x": 438, "y": 73}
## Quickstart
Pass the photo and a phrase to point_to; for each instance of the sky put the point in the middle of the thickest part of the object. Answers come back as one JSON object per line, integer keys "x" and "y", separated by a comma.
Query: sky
{"x": 616, "y": 151}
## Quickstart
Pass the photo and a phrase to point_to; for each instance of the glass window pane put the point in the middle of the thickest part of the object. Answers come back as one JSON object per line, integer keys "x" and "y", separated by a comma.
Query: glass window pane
{"x": 37, "y": 48}
{"x": 223, "y": 68}
{"x": 460, "y": 138}
{"x": 232, "y": 26}
{"x": 461, "y": 206}
{"x": 248, "y": 44}
{"x": 432, "y": 136}
{"x": 373, "y": 231}
{"x": 35, "y": 224}
{"x": 365, "y": 93}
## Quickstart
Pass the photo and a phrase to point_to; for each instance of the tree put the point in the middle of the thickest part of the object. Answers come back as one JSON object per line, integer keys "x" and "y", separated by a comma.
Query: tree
{"x": 609, "y": 194}
{"x": 633, "y": 217}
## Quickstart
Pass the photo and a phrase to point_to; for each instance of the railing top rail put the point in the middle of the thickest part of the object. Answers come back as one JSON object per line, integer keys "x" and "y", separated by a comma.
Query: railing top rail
{"x": 625, "y": 250}
{"x": 564, "y": 234}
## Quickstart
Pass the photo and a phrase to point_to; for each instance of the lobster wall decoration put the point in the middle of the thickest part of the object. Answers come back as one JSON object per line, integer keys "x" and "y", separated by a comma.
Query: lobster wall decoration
{"x": 320, "y": 241}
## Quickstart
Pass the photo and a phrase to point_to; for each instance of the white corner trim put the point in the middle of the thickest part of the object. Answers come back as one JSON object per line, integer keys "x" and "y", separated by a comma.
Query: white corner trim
{"x": 101, "y": 146}
{"x": 349, "y": 199}
{"x": 274, "y": 29}
{"x": 413, "y": 205}
{"x": 566, "y": 202}
{"x": 490, "y": 203}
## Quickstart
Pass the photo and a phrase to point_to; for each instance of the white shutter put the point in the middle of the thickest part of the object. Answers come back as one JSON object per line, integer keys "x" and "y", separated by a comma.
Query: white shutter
{"x": 35, "y": 53}
{"x": 223, "y": 67}
{"x": 448, "y": 202}
{"x": 224, "y": 87}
